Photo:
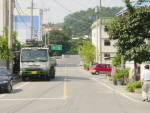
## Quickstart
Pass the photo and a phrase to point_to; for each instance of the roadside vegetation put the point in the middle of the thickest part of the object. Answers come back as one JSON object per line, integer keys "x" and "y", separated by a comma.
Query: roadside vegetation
{"x": 131, "y": 30}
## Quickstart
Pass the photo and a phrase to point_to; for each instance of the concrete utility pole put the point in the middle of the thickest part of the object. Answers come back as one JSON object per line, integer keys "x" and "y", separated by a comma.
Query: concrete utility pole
{"x": 10, "y": 35}
{"x": 122, "y": 57}
{"x": 31, "y": 19}
{"x": 100, "y": 32}
{"x": 96, "y": 11}
{"x": 48, "y": 33}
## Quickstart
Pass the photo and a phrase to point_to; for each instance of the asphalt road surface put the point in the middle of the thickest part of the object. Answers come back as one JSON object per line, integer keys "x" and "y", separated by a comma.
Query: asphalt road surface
{"x": 73, "y": 90}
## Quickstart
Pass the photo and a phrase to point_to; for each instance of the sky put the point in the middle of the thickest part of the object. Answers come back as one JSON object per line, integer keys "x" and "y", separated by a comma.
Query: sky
{"x": 58, "y": 9}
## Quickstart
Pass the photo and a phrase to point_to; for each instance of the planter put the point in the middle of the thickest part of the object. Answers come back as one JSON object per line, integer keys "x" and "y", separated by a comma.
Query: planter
{"x": 119, "y": 82}
{"x": 115, "y": 82}
{"x": 87, "y": 68}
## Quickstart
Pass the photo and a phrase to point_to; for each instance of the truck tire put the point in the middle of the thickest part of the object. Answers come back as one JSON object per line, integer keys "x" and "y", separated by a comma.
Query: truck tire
{"x": 52, "y": 72}
{"x": 23, "y": 78}
{"x": 48, "y": 78}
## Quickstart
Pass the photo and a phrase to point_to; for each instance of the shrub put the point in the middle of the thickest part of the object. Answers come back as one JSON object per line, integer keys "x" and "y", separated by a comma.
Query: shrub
{"x": 133, "y": 85}
{"x": 120, "y": 73}
{"x": 114, "y": 78}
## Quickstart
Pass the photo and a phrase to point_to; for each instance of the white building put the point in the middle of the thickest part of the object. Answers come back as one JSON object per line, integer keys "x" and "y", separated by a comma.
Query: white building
{"x": 108, "y": 51}
{"x": 46, "y": 29}
{"x": 4, "y": 14}
{"x": 22, "y": 24}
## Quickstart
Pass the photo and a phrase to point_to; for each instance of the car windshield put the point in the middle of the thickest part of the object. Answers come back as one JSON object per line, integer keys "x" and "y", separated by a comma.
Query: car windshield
{"x": 3, "y": 71}
{"x": 31, "y": 55}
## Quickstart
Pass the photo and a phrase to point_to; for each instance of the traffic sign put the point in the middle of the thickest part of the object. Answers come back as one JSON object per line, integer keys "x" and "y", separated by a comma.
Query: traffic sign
{"x": 56, "y": 47}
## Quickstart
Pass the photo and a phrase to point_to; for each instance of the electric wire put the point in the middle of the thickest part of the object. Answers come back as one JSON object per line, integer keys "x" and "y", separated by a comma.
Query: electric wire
{"x": 80, "y": 4}
{"x": 70, "y": 11}
{"x": 22, "y": 18}
{"x": 20, "y": 8}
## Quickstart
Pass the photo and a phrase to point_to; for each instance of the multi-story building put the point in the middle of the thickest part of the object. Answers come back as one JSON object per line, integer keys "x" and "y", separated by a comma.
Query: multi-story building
{"x": 22, "y": 24}
{"x": 4, "y": 14}
{"x": 104, "y": 46}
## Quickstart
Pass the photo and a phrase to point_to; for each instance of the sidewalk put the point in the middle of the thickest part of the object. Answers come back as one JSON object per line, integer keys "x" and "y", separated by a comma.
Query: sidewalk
{"x": 121, "y": 89}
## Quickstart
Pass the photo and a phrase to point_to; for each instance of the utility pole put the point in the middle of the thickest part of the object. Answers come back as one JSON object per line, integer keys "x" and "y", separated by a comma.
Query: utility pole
{"x": 31, "y": 20}
{"x": 48, "y": 33}
{"x": 10, "y": 35}
{"x": 100, "y": 32}
{"x": 96, "y": 11}
{"x": 122, "y": 57}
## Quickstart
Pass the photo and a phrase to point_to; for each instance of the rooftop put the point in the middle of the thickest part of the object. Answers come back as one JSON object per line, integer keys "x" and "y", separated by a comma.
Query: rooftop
{"x": 146, "y": 3}
{"x": 105, "y": 21}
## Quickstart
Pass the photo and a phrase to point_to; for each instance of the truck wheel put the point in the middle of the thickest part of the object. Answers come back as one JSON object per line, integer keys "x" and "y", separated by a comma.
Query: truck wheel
{"x": 23, "y": 78}
{"x": 52, "y": 73}
{"x": 48, "y": 78}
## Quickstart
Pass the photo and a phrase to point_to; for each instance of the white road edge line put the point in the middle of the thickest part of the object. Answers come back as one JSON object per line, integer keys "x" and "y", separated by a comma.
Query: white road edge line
{"x": 116, "y": 91}
{"x": 32, "y": 99}
{"x": 16, "y": 88}
{"x": 112, "y": 88}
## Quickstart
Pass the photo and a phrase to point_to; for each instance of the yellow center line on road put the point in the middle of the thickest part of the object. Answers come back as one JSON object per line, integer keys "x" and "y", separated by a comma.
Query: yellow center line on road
{"x": 65, "y": 89}
{"x": 65, "y": 86}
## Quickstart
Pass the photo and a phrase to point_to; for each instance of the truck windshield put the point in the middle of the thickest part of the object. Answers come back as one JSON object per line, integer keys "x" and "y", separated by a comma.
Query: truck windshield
{"x": 32, "y": 55}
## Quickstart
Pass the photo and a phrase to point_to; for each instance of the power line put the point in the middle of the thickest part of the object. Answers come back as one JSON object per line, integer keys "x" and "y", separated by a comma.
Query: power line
{"x": 22, "y": 18}
{"x": 70, "y": 11}
{"x": 80, "y": 4}
{"x": 20, "y": 8}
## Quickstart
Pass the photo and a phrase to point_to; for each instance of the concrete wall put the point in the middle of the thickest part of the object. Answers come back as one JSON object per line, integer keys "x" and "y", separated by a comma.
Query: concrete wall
{"x": 22, "y": 23}
{"x": 3, "y": 63}
{"x": 1, "y": 17}
{"x": 105, "y": 49}
{"x": 141, "y": 67}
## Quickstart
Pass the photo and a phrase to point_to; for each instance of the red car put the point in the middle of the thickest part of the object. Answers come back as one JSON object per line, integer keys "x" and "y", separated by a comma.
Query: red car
{"x": 100, "y": 68}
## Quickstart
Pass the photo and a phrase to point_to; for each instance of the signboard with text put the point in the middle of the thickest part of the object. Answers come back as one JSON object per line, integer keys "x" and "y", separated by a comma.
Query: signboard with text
{"x": 56, "y": 47}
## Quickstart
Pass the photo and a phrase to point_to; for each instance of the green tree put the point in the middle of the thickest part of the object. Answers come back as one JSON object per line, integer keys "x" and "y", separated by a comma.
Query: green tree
{"x": 4, "y": 50}
{"x": 131, "y": 31}
{"x": 80, "y": 22}
{"x": 87, "y": 52}
{"x": 59, "y": 37}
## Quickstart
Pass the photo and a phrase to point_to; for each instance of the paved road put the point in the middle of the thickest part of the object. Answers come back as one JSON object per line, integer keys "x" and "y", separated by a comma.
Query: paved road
{"x": 74, "y": 90}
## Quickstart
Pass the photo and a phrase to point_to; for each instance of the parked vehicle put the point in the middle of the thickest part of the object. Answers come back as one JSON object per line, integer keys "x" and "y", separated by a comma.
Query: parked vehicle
{"x": 35, "y": 62}
{"x": 6, "y": 79}
{"x": 100, "y": 68}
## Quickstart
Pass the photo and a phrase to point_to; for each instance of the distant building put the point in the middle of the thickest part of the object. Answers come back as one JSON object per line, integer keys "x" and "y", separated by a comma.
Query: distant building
{"x": 22, "y": 24}
{"x": 46, "y": 29}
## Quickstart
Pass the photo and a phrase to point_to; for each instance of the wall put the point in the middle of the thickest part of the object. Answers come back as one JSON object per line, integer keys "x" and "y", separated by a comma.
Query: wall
{"x": 105, "y": 49}
{"x": 22, "y": 24}
{"x": 1, "y": 17}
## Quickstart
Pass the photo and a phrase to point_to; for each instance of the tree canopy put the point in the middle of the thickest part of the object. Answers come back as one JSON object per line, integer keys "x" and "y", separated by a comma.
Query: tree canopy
{"x": 87, "y": 52}
{"x": 131, "y": 31}
{"x": 4, "y": 50}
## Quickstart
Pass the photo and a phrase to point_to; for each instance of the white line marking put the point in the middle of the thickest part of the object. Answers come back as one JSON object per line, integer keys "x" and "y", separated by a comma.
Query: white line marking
{"x": 111, "y": 88}
{"x": 22, "y": 85}
{"x": 15, "y": 89}
{"x": 32, "y": 99}
{"x": 116, "y": 91}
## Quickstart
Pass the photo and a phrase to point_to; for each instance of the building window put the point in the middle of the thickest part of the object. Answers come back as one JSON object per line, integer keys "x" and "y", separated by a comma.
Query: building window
{"x": 105, "y": 28}
{"x": 106, "y": 55}
{"x": 107, "y": 42}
